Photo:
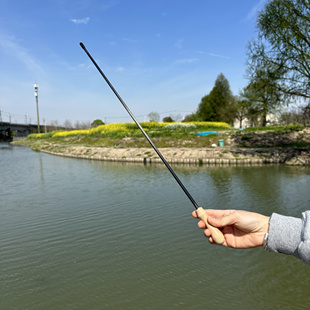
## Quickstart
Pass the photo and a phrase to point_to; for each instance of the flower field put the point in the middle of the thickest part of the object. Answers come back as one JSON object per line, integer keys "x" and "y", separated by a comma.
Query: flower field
{"x": 120, "y": 130}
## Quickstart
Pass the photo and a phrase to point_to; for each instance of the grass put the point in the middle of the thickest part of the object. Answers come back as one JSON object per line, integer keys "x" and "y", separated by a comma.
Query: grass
{"x": 129, "y": 135}
{"x": 286, "y": 128}
{"x": 179, "y": 135}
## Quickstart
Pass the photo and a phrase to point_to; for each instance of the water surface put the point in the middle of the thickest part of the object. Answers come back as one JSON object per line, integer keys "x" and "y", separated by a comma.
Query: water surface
{"x": 79, "y": 234}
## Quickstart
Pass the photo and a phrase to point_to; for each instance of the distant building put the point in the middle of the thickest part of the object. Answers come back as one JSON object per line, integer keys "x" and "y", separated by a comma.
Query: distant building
{"x": 272, "y": 119}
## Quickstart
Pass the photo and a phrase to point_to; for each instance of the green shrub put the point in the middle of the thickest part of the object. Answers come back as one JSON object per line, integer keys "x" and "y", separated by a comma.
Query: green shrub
{"x": 246, "y": 138}
{"x": 294, "y": 127}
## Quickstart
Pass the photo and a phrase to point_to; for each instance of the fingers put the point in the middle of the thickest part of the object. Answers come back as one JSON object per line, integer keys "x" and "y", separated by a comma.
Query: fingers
{"x": 218, "y": 213}
{"x": 202, "y": 224}
{"x": 226, "y": 220}
{"x": 194, "y": 214}
{"x": 212, "y": 214}
{"x": 208, "y": 235}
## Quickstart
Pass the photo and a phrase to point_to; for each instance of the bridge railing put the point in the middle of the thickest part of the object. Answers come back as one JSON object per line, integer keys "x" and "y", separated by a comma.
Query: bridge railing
{"x": 6, "y": 117}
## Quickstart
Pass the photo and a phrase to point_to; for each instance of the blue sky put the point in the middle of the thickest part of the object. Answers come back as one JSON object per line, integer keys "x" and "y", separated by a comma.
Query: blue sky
{"x": 160, "y": 55}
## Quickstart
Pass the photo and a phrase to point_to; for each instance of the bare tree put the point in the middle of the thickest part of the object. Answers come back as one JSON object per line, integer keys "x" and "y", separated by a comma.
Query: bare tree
{"x": 85, "y": 124}
{"x": 154, "y": 117}
{"x": 297, "y": 115}
{"x": 68, "y": 124}
{"x": 54, "y": 124}
{"x": 176, "y": 117}
{"x": 77, "y": 125}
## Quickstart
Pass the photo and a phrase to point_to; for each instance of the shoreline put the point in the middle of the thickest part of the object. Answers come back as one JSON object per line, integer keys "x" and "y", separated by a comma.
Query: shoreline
{"x": 255, "y": 148}
{"x": 299, "y": 156}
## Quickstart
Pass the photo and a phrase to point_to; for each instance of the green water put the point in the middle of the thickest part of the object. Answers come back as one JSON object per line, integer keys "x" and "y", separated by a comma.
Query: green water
{"x": 92, "y": 235}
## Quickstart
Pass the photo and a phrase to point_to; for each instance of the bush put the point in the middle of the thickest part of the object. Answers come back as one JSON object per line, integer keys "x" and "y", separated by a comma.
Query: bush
{"x": 180, "y": 127}
{"x": 168, "y": 119}
{"x": 295, "y": 127}
{"x": 96, "y": 123}
{"x": 45, "y": 135}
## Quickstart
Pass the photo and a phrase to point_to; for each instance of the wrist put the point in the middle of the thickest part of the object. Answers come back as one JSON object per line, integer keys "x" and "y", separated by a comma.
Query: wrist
{"x": 265, "y": 241}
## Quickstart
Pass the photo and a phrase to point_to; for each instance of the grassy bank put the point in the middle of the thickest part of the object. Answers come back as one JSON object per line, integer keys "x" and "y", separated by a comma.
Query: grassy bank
{"x": 179, "y": 142}
{"x": 129, "y": 135}
{"x": 177, "y": 135}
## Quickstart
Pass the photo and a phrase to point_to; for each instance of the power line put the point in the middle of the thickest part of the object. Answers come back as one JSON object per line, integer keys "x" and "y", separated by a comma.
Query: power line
{"x": 145, "y": 115}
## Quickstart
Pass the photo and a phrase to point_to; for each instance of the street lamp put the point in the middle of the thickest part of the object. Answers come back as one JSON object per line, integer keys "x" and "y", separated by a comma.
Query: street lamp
{"x": 36, "y": 86}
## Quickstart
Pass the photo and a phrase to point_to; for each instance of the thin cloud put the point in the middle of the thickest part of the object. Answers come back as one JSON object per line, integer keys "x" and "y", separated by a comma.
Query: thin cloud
{"x": 11, "y": 46}
{"x": 253, "y": 13}
{"x": 119, "y": 69}
{"x": 80, "y": 21}
{"x": 179, "y": 44}
{"x": 129, "y": 40}
{"x": 186, "y": 61}
{"x": 220, "y": 56}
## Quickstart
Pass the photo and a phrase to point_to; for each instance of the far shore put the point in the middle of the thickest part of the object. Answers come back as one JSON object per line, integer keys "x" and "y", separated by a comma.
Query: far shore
{"x": 289, "y": 148}
{"x": 299, "y": 156}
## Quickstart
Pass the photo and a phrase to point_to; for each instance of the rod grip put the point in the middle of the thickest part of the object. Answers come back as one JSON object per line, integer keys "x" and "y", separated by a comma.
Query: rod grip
{"x": 216, "y": 234}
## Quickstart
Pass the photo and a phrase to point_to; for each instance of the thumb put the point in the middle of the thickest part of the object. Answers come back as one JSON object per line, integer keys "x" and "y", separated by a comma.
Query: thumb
{"x": 222, "y": 221}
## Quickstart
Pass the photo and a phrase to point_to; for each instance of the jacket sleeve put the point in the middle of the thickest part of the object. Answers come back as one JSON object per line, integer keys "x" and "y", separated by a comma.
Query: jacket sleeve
{"x": 290, "y": 235}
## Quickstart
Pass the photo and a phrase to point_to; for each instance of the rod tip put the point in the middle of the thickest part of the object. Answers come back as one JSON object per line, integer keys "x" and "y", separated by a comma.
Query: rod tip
{"x": 82, "y": 45}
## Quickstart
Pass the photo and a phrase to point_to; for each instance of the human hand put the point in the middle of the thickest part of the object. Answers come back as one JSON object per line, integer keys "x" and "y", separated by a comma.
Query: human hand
{"x": 241, "y": 229}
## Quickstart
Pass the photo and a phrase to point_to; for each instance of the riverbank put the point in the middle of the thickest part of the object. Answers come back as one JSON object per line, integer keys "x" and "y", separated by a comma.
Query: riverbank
{"x": 228, "y": 154}
{"x": 290, "y": 147}
{"x": 225, "y": 155}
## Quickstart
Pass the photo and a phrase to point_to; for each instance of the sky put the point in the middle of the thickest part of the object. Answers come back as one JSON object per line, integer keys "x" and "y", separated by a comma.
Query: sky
{"x": 160, "y": 55}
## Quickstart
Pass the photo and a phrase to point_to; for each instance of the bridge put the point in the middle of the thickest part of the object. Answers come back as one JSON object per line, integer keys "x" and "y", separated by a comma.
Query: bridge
{"x": 18, "y": 125}
{"x": 18, "y": 130}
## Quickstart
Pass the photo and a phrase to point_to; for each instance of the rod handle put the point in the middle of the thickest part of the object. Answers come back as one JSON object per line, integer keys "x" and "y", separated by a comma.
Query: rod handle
{"x": 216, "y": 234}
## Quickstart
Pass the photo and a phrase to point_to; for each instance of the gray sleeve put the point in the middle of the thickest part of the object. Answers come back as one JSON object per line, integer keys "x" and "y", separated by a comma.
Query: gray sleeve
{"x": 290, "y": 235}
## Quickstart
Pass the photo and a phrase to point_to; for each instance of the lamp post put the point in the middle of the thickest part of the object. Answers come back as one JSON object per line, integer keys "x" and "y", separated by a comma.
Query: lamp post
{"x": 36, "y": 86}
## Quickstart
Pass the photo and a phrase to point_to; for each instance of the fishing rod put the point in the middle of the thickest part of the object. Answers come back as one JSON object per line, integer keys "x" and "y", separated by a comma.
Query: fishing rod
{"x": 216, "y": 234}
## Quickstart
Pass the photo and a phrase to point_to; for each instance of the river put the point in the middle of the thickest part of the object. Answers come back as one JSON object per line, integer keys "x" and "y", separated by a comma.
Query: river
{"x": 79, "y": 234}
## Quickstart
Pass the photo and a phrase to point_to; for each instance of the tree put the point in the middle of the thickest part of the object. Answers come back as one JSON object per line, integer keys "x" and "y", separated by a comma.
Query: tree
{"x": 263, "y": 92}
{"x": 306, "y": 115}
{"x": 168, "y": 119}
{"x": 96, "y": 123}
{"x": 242, "y": 110}
{"x": 54, "y": 124}
{"x": 154, "y": 117}
{"x": 283, "y": 33}
{"x": 247, "y": 103}
{"x": 296, "y": 115}
{"x": 177, "y": 117}
{"x": 82, "y": 124}
{"x": 218, "y": 105}
{"x": 68, "y": 124}
{"x": 190, "y": 118}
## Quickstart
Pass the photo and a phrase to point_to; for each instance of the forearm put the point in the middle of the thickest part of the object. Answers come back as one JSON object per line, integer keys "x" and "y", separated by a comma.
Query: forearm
{"x": 291, "y": 236}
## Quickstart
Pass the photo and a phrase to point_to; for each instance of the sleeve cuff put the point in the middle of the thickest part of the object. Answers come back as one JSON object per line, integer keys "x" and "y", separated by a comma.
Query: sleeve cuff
{"x": 284, "y": 234}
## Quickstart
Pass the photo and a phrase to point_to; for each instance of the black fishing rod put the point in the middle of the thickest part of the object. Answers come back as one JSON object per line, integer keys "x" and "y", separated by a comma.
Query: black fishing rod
{"x": 217, "y": 235}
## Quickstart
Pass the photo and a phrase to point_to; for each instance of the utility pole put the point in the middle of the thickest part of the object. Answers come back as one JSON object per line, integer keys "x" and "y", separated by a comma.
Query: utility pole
{"x": 36, "y": 86}
{"x": 44, "y": 122}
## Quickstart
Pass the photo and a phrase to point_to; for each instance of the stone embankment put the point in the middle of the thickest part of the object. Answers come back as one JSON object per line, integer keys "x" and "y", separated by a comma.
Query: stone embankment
{"x": 225, "y": 155}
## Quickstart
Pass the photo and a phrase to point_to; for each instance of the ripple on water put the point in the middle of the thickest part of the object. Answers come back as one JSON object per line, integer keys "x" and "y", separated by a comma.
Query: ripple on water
{"x": 91, "y": 235}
